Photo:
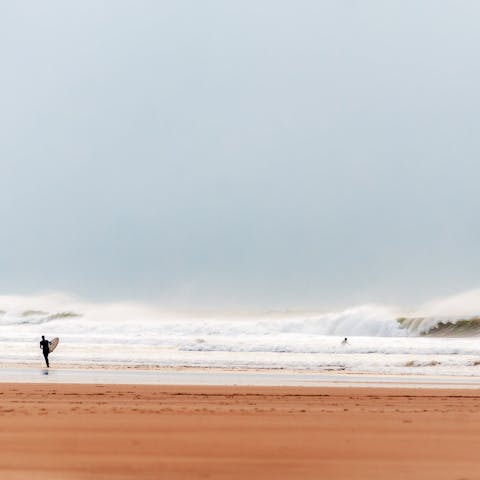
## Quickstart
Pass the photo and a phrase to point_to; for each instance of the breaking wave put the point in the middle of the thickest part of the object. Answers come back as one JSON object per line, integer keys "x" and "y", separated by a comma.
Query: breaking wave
{"x": 118, "y": 321}
{"x": 442, "y": 327}
{"x": 33, "y": 317}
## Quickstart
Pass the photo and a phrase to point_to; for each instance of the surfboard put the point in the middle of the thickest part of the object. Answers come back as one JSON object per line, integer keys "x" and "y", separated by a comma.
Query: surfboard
{"x": 53, "y": 344}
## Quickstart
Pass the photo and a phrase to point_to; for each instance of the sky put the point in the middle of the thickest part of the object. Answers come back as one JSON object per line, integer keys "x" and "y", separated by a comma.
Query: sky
{"x": 263, "y": 153}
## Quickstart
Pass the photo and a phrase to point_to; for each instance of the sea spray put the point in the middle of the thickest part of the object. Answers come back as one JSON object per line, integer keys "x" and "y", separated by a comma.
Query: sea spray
{"x": 139, "y": 336}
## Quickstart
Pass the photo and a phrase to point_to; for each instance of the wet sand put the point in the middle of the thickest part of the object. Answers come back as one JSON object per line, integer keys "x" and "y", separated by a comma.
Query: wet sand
{"x": 75, "y": 431}
{"x": 224, "y": 377}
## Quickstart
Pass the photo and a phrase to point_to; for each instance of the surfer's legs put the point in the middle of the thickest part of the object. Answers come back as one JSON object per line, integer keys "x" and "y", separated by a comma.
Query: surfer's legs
{"x": 46, "y": 359}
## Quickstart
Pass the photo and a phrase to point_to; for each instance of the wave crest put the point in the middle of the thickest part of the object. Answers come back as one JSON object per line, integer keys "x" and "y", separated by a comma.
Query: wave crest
{"x": 34, "y": 317}
{"x": 446, "y": 327}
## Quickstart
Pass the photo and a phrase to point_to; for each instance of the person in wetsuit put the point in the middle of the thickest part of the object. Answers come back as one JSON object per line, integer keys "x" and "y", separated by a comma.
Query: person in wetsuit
{"x": 45, "y": 346}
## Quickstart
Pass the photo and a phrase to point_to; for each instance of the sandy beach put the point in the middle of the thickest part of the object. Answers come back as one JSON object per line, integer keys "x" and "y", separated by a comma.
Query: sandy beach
{"x": 74, "y": 431}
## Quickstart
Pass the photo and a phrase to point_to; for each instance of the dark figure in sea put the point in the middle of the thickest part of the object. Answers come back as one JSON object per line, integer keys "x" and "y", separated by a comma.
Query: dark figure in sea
{"x": 45, "y": 346}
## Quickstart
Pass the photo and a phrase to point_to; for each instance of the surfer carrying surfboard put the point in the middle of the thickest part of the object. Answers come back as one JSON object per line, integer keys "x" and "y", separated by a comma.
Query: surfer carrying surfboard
{"x": 45, "y": 346}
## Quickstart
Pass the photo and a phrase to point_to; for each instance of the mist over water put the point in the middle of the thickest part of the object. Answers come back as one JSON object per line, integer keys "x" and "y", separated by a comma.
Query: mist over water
{"x": 381, "y": 339}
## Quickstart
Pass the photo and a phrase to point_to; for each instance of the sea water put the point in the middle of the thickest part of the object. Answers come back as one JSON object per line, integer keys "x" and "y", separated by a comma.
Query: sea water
{"x": 379, "y": 342}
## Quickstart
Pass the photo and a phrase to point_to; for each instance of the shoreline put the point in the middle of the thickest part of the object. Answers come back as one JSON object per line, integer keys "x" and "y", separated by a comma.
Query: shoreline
{"x": 145, "y": 432}
{"x": 189, "y": 376}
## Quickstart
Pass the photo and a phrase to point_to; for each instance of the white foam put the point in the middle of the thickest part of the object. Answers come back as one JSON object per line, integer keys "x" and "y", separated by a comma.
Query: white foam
{"x": 133, "y": 334}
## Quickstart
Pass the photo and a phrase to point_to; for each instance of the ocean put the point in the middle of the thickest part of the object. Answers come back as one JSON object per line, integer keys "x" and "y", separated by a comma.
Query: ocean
{"x": 379, "y": 340}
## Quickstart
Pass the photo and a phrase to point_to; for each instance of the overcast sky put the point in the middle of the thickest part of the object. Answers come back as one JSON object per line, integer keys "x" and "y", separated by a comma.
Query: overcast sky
{"x": 284, "y": 154}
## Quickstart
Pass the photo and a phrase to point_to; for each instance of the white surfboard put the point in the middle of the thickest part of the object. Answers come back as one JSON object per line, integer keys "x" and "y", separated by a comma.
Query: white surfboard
{"x": 53, "y": 344}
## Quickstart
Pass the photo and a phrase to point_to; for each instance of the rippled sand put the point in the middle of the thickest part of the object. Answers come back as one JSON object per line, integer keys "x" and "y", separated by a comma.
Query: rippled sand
{"x": 66, "y": 431}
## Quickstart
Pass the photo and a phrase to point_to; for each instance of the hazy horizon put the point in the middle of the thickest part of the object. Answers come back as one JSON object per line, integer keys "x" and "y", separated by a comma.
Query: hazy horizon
{"x": 267, "y": 154}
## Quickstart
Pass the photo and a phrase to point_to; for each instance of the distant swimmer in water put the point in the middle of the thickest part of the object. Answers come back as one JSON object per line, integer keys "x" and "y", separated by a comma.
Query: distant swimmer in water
{"x": 45, "y": 346}
{"x": 345, "y": 341}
